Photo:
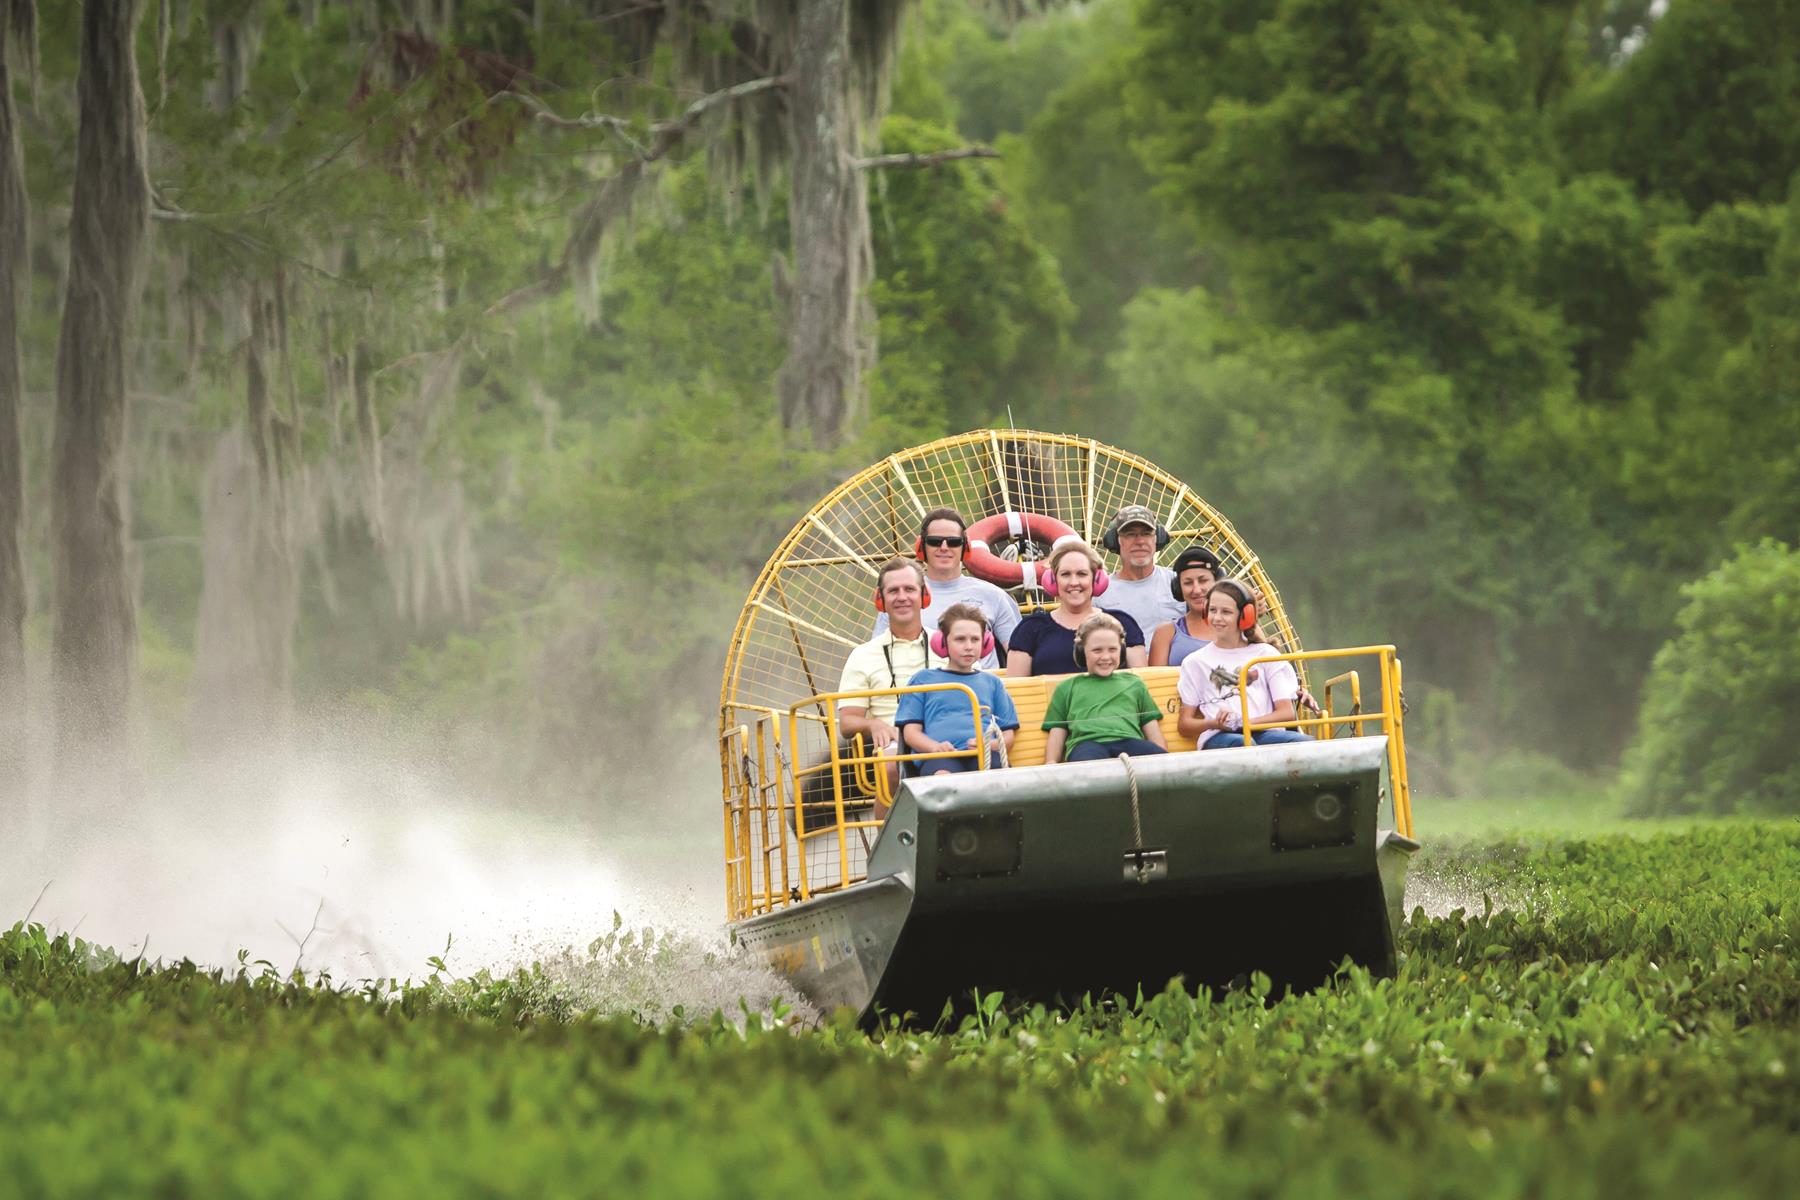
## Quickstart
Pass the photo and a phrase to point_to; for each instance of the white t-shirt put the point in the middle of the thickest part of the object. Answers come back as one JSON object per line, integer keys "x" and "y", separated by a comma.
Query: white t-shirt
{"x": 1274, "y": 682}
{"x": 1002, "y": 612}
{"x": 1148, "y": 600}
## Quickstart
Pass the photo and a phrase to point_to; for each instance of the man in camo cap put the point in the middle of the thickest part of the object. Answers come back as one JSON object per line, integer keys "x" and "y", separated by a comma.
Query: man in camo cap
{"x": 1139, "y": 586}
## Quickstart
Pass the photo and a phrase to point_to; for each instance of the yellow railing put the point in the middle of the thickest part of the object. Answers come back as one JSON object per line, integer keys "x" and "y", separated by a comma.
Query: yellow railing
{"x": 1389, "y": 715}
{"x": 754, "y": 774}
{"x": 836, "y": 761}
{"x": 1354, "y": 679}
{"x": 765, "y": 826}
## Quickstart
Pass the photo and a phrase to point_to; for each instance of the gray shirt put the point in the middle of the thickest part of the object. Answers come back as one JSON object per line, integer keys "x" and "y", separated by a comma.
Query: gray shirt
{"x": 1148, "y": 600}
{"x": 1002, "y": 612}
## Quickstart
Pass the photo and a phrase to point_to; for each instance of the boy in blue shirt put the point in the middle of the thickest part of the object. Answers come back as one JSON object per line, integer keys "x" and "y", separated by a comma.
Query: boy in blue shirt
{"x": 942, "y": 722}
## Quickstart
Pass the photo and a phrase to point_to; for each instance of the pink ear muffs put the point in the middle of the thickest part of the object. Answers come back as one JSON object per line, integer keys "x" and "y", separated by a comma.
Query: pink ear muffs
{"x": 941, "y": 648}
{"x": 1102, "y": 581}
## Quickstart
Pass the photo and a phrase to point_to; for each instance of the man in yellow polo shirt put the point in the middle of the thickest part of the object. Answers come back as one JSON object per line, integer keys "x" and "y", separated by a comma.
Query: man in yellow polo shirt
{"x": 888, "y": 660}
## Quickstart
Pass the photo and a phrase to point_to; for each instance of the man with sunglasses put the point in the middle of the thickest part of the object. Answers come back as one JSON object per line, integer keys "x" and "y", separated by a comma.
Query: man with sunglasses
{"x": 943, "y": 541}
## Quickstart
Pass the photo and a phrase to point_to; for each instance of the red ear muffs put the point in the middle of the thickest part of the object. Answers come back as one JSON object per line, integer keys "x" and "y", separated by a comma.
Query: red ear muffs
{"x": 941, "y": 648}
{"x": 1247, "y": 616}
{"x": 1047, "y": 581}
{"x": 924, "y": 599}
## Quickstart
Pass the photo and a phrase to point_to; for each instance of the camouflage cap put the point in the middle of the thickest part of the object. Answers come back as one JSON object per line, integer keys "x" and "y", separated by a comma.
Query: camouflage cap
{"x": 1134, "y": 514}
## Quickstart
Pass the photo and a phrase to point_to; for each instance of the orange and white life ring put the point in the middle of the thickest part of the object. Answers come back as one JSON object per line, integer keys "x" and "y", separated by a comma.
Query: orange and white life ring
{"x": 983, "y": 563}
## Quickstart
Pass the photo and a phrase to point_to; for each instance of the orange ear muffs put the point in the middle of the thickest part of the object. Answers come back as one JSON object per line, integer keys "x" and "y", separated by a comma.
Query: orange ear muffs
{"x": 924, "y": 599}
{"x": 1246, "y": 599}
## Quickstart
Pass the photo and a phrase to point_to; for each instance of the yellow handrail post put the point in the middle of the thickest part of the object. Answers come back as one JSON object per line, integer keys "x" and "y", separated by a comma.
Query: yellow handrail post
{"x": 837, "y": 797}
{"x": 1355, "y": 681}
{"x": 835, "y": 762}
{"x": 787, "y": 887}
{"x": 1390, "y": 716}
{"x": 1403, "y": 781}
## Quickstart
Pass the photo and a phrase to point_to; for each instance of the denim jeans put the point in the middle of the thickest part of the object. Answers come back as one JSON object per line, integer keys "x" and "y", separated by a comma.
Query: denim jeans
{"x": 1088, "y": 751}
{"x": 947, "y": 766}
{"x": 1264, "y": 737}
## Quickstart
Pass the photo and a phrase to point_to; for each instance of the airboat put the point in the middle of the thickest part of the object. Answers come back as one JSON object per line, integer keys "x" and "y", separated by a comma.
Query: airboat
{"x": 1045, "y": 882}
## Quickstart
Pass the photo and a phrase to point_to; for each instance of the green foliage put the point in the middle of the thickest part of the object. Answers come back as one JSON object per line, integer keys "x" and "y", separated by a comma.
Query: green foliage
{"x": 1707, "y": 111}
{"x": 973, "y": 312}
{"x": 632, "y": 474}
{"x": 1708, "y": 431}
{"x": 1716, "y": 732}
{"x": 1615, "y": 1016}
{"x": 1088, "y": 196}
{"x": 1000, "y": 73}
{"x": 1429, "y": 298}
{"x": 1449, "y": 345}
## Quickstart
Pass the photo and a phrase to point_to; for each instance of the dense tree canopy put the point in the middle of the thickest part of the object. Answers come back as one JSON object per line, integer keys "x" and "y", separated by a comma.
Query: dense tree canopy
{"x": 459, "y": 358}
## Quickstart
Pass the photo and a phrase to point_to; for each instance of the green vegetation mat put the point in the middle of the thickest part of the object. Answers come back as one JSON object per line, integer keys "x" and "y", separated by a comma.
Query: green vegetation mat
{"x": 1623, "y": 1018}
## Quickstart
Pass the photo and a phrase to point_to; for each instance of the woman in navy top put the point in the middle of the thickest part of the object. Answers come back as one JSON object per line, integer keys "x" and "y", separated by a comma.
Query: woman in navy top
{"x": 1044, "y": 642}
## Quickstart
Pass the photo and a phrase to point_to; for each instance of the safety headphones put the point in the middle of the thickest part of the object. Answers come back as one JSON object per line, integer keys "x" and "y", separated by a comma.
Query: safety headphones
{"x": 1110, "y": 537}
{"x": 1080, "y": 647}
{"x": 1247, "y": 606}
{"x": 919, "y": 542}
{"x": 1047, "y": 579}
{"x": 941, "y": 647}
{"x": 924, "y": 594}
{"x": 1193, "y": 556}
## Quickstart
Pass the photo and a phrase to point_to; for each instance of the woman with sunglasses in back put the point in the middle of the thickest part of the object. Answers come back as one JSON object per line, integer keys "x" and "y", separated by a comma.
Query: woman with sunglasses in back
{"x": 943, "y": 545}
{"x": 1211, "y": 705}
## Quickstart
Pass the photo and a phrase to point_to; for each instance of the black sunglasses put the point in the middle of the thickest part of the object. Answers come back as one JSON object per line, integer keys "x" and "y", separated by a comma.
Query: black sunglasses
{"x": 934, "y": 539}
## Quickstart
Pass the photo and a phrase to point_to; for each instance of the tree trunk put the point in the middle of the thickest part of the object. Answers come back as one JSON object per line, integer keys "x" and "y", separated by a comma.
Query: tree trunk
{"x": 13, "y": 265}
{"x": 250, "y": 591}
{"x": 95, "y": 626}
{"x": 830, "y": 333}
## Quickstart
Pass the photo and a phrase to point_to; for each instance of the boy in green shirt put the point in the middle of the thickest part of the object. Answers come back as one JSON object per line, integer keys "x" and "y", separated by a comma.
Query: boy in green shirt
{"x": 1103, "y": 713}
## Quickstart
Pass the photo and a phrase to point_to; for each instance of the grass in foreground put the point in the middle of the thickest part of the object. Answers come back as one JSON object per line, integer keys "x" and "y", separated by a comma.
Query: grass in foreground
{"x": 1632, "y": 1028}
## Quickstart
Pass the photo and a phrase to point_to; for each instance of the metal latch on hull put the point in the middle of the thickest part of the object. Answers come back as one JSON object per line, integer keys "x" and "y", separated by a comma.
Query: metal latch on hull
{"x": 1146, "y": 865}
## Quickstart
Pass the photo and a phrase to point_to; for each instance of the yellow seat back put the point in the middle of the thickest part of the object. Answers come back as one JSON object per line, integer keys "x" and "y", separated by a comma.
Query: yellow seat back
{"x": 1031, "y": 696}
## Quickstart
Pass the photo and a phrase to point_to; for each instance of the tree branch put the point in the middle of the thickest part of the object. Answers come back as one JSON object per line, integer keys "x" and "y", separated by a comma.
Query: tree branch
{"x": 543, "y": 112}
{"x": 882, "y": 161}
{"x": 619, "y": 191}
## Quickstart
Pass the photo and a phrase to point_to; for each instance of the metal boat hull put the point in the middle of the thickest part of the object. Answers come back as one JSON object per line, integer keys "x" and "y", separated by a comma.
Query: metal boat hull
{"x": 1048, "y": 882}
